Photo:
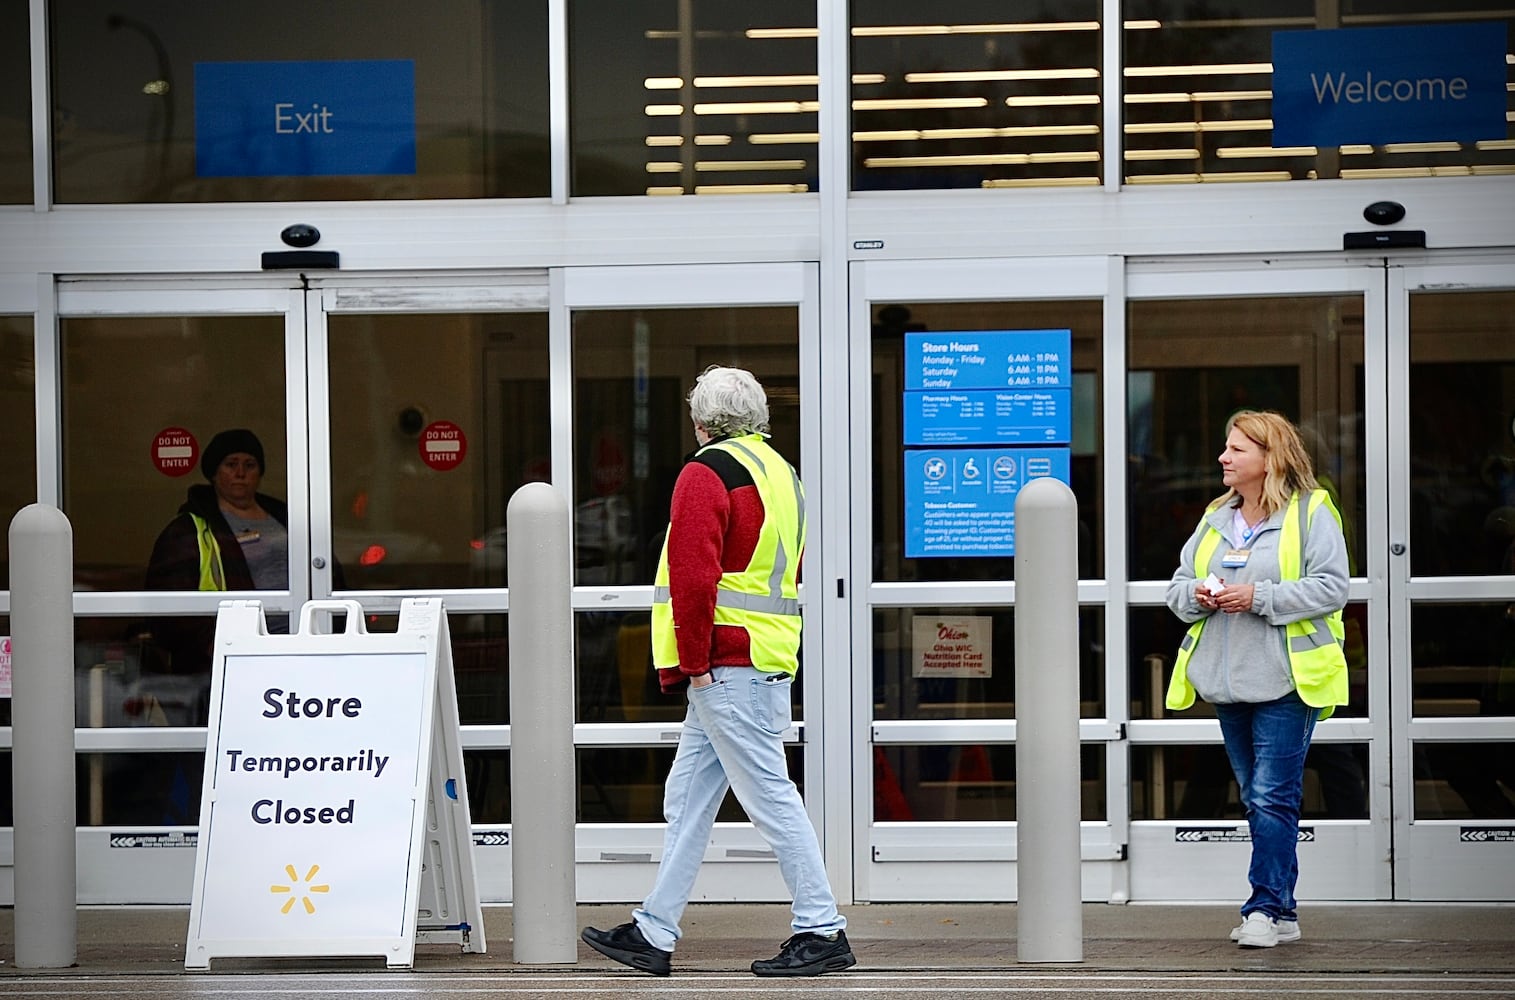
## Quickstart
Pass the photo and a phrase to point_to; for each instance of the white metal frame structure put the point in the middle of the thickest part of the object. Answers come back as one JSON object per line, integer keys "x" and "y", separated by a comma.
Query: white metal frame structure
{"x": 1435, "y": 859}
{"x": 1346, "y": 859}
{"x": 829, "y": 253}
{"x": 908, "y": 860}
{"x": 617, "y": 861}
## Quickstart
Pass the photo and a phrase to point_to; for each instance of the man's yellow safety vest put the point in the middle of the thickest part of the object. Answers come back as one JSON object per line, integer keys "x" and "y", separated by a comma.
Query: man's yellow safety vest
{"x": 1316, "y": 658}
{"x": 764, "y": 596}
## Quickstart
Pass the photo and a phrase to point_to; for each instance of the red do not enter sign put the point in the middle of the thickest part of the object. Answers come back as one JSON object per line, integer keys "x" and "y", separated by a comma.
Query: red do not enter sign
{"x": 175, "y": 452}
{"x": 442, "y": 445}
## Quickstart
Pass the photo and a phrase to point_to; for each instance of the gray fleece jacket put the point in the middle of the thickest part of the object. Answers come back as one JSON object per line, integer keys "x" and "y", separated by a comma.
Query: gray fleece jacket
{"x": 1243, "y": 657}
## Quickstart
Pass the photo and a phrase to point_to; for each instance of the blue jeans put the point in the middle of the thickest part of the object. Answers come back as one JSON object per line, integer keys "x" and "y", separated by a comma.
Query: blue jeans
{"x": 733, "y": 737}
{"x": 1266, "y": 742}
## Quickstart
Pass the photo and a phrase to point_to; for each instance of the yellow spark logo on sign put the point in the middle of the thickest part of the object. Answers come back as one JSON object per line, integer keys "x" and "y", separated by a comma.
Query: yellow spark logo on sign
{"x": 293, "y": 887}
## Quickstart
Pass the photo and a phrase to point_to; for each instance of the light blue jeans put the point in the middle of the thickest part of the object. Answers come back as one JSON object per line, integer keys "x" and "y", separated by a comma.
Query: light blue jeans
{"x": 733, "y": 737}
{"x": 1266, "y": 742}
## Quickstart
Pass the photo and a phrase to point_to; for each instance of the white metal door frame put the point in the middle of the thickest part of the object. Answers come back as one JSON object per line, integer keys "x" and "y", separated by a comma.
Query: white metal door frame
{"x": 1348, "y": 858}
{"x": 162, "y": 868}
{"x": 1435, "y": 859}
{"x": 940, "y": 860}
{"x": 617, "y": 862}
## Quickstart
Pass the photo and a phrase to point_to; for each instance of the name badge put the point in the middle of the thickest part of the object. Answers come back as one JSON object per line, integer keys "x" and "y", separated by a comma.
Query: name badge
{"x": 248, "y": 537}
{"x": 1235, "y": 557}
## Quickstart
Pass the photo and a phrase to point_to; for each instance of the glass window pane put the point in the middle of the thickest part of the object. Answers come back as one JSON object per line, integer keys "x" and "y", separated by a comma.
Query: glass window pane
{"x": 616, "y": 681}
{"x": 625, "y": 784}
{"x": 671, "y": 98}
{"x": 912, "y": 679}
{"x": 1464, "y": 780}
{"x": 928, "y": 784}
{"x": 468, "y": 94}
{"x": 1085, "y": 318}
{"x": 1195, "y": 782}
{"x": 1462, "y": 483}
{"x": 429, "y": 414}
{"x": 1300, "y": 355}
{"x": 480, "y": 664}
{"x": 142, "y": 672}
{"x": 632, "y": 374}
{"x": 488, "y": 774}
{"x": 1462, "y": 659}
{"x": 15, "y": 104}
{"x": 1199, "y": 99}
{"x": 18, "y": 427}
{"x": 201, "y": 374}
{"x": 138, "y": 789}
{"x": 1007, "y": 96}
{"x": 1155, "y": 635}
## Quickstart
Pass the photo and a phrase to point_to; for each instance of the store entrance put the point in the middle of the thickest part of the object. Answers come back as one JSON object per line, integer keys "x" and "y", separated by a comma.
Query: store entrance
{"x": 1368, "y": 357}
{"x": 396, "y": 418}
{"x": 387, "y": 424}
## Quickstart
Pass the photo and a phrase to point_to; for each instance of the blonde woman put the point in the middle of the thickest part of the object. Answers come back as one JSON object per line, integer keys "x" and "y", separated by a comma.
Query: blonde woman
{"x": 1262, "y": 581}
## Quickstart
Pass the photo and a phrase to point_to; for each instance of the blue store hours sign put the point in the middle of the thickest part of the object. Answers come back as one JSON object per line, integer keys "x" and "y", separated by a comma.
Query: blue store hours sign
{"x": 989, "y": 359}
{"x": 961, "y": 501}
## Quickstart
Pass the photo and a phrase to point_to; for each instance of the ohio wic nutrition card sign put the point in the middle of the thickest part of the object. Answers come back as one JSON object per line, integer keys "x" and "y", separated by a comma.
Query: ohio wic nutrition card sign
{"x": 315, "y": 793}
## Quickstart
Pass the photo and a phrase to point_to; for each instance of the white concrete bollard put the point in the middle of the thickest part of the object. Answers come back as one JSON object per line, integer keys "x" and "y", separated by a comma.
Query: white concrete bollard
{"x": 543, "y": 775}
{"x": 1049, "y": 915}
{"x": 42, "y": 756}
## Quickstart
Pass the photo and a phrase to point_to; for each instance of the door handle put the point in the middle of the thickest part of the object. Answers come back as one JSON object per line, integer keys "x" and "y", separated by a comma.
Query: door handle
{"x": 318, "y": 562}
{"x": 1397, "y": 548}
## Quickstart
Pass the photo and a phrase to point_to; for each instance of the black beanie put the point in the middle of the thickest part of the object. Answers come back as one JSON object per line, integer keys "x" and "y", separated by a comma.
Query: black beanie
{"x": 230, "y": 443}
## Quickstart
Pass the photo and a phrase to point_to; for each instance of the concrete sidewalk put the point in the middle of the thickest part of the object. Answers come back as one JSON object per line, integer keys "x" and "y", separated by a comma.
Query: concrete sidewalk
{"x": 1337, "y": 938}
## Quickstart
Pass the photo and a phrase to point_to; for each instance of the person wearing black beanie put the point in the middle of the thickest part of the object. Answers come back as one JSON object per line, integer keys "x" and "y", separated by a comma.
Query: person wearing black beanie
{"x": 237, "y": 441}
{"x": 227, "y": 535}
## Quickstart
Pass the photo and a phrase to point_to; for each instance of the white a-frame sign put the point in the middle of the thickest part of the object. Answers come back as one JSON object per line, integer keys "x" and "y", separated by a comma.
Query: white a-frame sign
{"x": 334, "y": 818}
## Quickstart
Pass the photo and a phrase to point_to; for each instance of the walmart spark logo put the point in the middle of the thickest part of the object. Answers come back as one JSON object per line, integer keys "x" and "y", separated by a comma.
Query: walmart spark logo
{"x": 294, "y": 887}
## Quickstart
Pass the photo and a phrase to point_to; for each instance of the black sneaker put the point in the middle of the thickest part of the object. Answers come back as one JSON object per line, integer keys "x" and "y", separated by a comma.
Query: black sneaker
{"x": 808, "y": 955}
{"x": 626, "y": 945}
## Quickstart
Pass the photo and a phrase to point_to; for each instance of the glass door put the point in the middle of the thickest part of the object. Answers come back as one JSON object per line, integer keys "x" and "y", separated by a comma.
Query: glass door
{"x": 156, "y": 384}
{"x": 19, "y": 406}
{"x": 430, "y": 405}
{"x": 1451, "y": 571}
{"x": 627, "y": 348}
{"x": 1307, "y": 340}
{"x": 931, "y": 590}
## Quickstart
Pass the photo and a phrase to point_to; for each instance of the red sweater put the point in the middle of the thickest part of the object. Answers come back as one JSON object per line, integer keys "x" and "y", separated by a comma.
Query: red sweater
{"x": 714, "y": 521}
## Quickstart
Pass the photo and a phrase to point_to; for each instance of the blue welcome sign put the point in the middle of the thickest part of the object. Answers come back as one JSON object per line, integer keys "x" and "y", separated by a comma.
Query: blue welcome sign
{"x": 305, "y": 119}
{"x": 1372, "y": 86}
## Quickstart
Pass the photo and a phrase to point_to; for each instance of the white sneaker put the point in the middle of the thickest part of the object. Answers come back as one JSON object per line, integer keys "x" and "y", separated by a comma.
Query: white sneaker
{"x": 1257, "y": 930}
{"x": 1288, "y": 930}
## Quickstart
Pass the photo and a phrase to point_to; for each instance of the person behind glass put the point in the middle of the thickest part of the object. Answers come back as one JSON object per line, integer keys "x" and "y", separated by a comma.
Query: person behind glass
{"x": 226, "y": 536}
{"x": 1263, "y": 580}
{"x": 726, "y": 624}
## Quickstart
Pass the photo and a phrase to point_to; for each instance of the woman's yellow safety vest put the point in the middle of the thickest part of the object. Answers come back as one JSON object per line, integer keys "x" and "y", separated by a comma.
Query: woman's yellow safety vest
{"x": 212, "y": 573}
{"x": 1316, "y": 658}
{"x": 764, "y": 596}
